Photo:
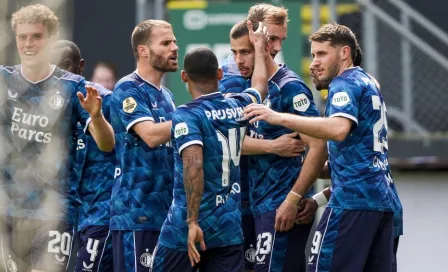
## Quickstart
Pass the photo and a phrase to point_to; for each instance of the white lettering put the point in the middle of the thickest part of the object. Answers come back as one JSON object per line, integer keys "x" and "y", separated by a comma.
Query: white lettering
{"x": 117, "y": 172}
{"x": 229, "y": 113}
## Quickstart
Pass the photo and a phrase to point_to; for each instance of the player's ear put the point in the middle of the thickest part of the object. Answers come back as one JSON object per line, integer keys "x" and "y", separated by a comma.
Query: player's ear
{"x": 184, "y": 76}
{"x": 345, "y": 52}
{"x": 219, "y": 74}
{"x": 81, "y": 65}
{"x": 143, "y": 51}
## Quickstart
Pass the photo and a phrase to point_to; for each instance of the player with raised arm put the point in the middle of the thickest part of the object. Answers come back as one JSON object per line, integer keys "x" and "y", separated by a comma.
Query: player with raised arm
{"x": 42, "y": 107}
{"x": 95, "y": 172}
{"x": 359, "y": 215}
{"x": 141, "y": 112}
{"x": 208, "y": 136}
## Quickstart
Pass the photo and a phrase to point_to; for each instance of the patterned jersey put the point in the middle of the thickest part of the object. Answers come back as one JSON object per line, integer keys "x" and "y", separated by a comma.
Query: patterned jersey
{"x": 96, "y": 173}
{"x": 271, "y": 177}
{"x": 231, "y": 85}
{"x": 398, "y": 208}
{"x": 359, "y": 163}
{"x": 216, "y": 123}
{"x": 229, "y": 67}
{"x": 142, "y": 190}
{"x": 39, "y": 121}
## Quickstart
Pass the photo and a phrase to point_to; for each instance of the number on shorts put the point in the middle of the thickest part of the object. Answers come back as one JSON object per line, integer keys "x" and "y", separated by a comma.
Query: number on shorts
{"x": 92, "y": 248}
{"x": 316, "y": 242}
{"x": 267, "y": 244}
{"x": 60, "y": 243}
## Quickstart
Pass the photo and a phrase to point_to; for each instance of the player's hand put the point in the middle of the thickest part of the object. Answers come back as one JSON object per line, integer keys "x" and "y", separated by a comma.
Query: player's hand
{"x": 258, "y": 37}
{"x": 261, "y": 112}
{"x": 92, "y": 102}
{"x": 195, "y": 235}
{"x": 288, "y": 146}
{"x": 286, "y": 215}
{"x": 307, "y": 210}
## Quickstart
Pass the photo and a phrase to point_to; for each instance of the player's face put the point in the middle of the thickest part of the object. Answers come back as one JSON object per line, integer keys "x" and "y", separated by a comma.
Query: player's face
{"x": 62, "y": 58}
{"x": 105, "y": 77}
{"x": 33, "y": 42}
{"x": 244, "y": 55}
{"x": 277, "y": 34}
{"x": 163, "y": 50}
{"x": 326, "y": 63}
{"x": 319, "y": 84}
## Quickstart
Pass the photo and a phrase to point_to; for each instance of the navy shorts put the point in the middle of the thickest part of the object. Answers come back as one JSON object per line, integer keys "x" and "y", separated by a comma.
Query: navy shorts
{"x": 132, "y": 250}
{"x": 95, "y": 250}
{"x": 280, "y": 251}
{"x": 36, "y": 244}
{"x": 352, "y": 241}
{"x": 223, "y": 259}
{"x": 250, "y": 241}
{"x": 394, "y": 261}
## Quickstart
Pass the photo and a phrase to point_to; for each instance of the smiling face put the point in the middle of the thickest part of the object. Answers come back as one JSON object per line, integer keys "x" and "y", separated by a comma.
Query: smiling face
{"x": 33, "y": 44}
{"x": 163, "y": 49}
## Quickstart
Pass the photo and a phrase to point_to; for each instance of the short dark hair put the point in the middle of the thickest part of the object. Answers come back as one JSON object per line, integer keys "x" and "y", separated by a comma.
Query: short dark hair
{"x": 201, "y": 65}
{"x": 240, "y": 29}
{"x": 358, "y": 59}
{"x": 142, "y": 33}
{"x": 75, "y": 53}
{"x": 337, "y": 35}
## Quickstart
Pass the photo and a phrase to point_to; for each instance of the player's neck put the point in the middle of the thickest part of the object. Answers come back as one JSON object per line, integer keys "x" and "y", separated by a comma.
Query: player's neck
{"x": 345, "y": 65}
{"x": 272, "y": 67}
{"x": 198, "y": 90}
{"x": 150, "y": 74}
{"x": 37, "y": 73}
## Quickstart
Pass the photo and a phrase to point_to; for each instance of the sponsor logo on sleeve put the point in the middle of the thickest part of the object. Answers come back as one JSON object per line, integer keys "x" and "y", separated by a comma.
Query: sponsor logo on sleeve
{"x": 180, "y": 129}
{"x": 129, "y": 105}
{"x": 301, "y": 102}
{"x": 340, "y": 99}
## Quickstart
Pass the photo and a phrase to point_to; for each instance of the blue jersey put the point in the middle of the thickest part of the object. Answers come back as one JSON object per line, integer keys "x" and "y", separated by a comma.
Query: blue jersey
{"x": 229, "y": 67}
{"x": 217, "y": 124}
{"x": 96, "y": 173}
{"x": 398, "y": 208}
{"x": 142, "y": 191}
{"x": 39, "y": 141}
{"x": 359, "y": 163}
{"x": 271, "y": 177}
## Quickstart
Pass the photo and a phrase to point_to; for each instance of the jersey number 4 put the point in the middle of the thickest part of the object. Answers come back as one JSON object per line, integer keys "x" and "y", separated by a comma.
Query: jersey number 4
{"x": 380, "y": 127}
{"x": 230, "y": 151}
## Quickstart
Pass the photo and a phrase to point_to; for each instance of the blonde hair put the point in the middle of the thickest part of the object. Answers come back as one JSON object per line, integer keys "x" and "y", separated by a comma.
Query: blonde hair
{"x": 34, "y": 14}
{"x": 268, "y": 13}
{"x": 142, "y": 33}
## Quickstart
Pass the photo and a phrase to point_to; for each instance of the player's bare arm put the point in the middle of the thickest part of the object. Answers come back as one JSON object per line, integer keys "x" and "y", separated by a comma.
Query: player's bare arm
{"x": 314, "y": 161}
{"x": 154, "y": 134}
{"x": 99, "y": 128}
{"x": 334, "y": 128}
{"x": 309, "y": 206}
{"x": 192, "y": 158}
{"x": 325, "y": 173}
{"x": 284, "y": 146}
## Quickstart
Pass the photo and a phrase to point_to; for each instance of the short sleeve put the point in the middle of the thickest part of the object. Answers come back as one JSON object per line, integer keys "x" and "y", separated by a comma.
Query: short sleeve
{"x": 299, "y": 99}
{"x": 185, "y": 129}
{"x": 131, "y": 105}
{"x": 343, "y": 100}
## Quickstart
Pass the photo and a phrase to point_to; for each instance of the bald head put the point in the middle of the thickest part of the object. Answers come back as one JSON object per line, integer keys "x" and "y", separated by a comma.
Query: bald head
{"x": 66, "y": 55}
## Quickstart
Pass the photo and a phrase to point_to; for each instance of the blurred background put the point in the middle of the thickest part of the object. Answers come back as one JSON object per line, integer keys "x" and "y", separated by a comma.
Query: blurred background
{"x": 405, "y": 45}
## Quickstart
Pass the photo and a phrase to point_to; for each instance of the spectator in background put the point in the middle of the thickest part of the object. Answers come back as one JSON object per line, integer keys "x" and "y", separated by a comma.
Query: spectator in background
{"x": 105, "y": 74}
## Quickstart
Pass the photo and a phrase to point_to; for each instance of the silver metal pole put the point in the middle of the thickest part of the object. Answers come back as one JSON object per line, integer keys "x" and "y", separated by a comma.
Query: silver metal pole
{"x": 369, "y": 43}
{"x": 315, "y": 7}
{"x": 159, "y": 9}
{"x": 332, "y": 6}
{"x": 406, "y": 73}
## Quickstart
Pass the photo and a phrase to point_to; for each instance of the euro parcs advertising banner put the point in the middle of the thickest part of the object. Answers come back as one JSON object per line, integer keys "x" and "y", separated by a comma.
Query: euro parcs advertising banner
{"x": 208, "y": 24}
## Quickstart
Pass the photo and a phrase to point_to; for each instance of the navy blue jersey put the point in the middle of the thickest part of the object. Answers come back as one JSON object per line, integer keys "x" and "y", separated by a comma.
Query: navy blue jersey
{"x": 217, "y": 124}
{"x": 142, "y": 191}
{"x": 359, "y": 163}
{"x": 229, "y": 67}
{"x": 271, "y": 177}
{"x": 96, "y": 173}
{"x": 39, "y": 141}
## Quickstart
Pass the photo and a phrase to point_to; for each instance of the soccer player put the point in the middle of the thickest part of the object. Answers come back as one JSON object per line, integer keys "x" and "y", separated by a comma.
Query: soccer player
{"x": 141, "y": 112}
{"x": 42, "y": 106}
{"x": 359, "y": 216}
{"x": 95, "y": 172}
{"x": 208, "y": 136}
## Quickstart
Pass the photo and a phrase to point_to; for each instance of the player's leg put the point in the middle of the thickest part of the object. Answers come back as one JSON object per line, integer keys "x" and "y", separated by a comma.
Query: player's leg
{"x": 224, "y": 259}
{"x": 395, "y": 250}
{"x": 295, "y": 259}
{"x": 381, "y": 253}
{"x": 170, "y": 260}
{"x": 52, "y": 246}
{"x": 95, "y": 250}
{"x": 250, "y": 241}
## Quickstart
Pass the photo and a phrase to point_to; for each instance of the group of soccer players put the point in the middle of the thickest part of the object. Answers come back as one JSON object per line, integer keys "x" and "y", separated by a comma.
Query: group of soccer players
{"x": 223, "y": 183}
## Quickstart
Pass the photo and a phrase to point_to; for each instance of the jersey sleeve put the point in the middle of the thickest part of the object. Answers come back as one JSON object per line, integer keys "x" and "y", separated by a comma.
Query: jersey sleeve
{"x": 185, "y": 129}
{"x": 343, "y": 100}
{"x": 130, "y": 105}
{"x": 248, "y": 96}
{"x": 232, "y": 84}
{"x": 106, "y": 107}
{"x": 299, "y": 99}
{"x": 82, "y": 116}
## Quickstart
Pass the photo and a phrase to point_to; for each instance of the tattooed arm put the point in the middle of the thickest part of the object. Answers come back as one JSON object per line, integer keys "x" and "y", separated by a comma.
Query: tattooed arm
{"x": 192, "y": 159}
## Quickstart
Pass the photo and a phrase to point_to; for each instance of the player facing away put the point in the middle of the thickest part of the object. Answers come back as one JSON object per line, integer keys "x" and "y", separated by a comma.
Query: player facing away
{"x": 42, "y": 105}
{"x": 359, "y": 215}
{"x": 95, "y": 170}
{"x": 141, "y": 112}
{"x": 203, "y": 227}
{"x": 280, "y": 243}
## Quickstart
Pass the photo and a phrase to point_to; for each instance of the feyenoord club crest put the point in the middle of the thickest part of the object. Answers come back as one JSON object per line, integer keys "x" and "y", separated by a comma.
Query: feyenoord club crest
{"x": 11, "y": 265}
{"x": 250, "y": 254}
{"x": 56, "y": 101}
{"x": 146, "y": 258}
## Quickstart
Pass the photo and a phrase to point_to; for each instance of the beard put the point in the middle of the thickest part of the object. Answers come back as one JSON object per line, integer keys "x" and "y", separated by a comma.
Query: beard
{"x": 324, "y": 83}
{"x": 161, "y": 64}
